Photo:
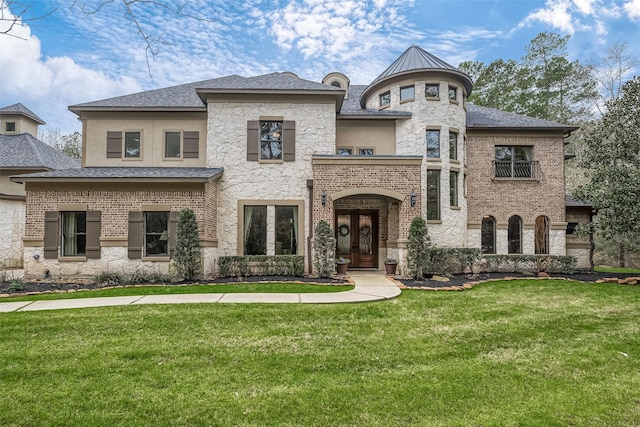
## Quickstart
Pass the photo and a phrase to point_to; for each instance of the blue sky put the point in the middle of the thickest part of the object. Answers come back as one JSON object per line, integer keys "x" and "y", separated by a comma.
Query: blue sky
{"x": 69, "y": 58}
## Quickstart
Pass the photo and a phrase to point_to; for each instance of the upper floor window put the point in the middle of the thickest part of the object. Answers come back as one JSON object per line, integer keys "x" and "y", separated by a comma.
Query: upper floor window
{"x": 432, "y": 90}
{"x": 453, "y": 145}
{"x": 345, "y": 151}
{"x": 385, "y": 99}
{"x": 453, "y": 188}
{"x": 271, "y": 140}
{"x": 407, "y": 93}
{"x": 453, "y": 93}
{"x": 433, "y": 143}
{"x": 10, "y": 126}
{"x": 132, "y": 144}
{"x": 74, "y": 233}
{"x": 365, "y": 151}
{"x": 515, "y": 162}
{"x": 172, "y": 144}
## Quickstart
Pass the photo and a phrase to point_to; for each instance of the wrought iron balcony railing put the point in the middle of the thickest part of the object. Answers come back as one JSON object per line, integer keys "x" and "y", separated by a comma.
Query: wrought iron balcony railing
{"x": 518, "y": 170}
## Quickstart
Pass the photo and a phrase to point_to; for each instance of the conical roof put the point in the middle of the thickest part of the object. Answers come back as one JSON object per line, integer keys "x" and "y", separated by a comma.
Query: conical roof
{"x": 416, "y": 59}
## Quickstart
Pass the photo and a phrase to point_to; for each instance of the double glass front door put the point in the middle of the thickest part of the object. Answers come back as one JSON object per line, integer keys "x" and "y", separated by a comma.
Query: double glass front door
{"x": 357, "y": 237}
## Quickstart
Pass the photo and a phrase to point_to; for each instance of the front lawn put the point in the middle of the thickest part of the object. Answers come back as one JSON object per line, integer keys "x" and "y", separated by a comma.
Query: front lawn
{"x": 603, "y": 269}
{"x": 285, "y": 287}
{"x": 526, "y": 353}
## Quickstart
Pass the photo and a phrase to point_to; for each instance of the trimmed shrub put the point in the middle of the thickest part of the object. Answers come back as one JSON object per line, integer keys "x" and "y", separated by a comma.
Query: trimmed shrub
{"x": 324, "y": 250}
{"x": 417, "y": 248}
{"x": 186, "y": 254}
{"x": 261, "y": 265}
{"x": 451, "y": 260}
{"x": 517, "y": 263}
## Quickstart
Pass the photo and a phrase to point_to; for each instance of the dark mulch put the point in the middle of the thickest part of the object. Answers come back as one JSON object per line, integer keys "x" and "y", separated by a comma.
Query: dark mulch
{"x": 461, "y": 279}
{"x": 74, "y": 285}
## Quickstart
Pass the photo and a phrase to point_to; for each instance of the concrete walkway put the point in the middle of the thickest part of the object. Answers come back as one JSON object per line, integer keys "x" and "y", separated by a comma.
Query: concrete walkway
{"x": 369, "y": 286}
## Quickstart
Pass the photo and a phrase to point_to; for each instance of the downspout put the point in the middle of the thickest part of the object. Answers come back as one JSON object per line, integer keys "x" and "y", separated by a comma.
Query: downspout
{"x": 309, "y": 257}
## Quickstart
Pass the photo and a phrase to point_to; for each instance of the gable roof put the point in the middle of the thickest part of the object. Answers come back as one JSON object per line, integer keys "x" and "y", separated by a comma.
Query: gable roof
{"x": 351, "y": 108}
{"x": 23, "y": 151}
{"x": 20, "y": 109}
{"x": 489, "y": 118}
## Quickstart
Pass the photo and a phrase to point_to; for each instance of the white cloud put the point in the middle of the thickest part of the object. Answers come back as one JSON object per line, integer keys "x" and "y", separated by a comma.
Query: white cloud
{"x": 632, "y": 8}
{"x": 556, "y": 14}
{"x": 48, "y": 86}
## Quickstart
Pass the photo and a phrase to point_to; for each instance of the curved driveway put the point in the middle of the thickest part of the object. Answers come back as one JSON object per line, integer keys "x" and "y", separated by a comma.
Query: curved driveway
{"x": 369, "y": 286}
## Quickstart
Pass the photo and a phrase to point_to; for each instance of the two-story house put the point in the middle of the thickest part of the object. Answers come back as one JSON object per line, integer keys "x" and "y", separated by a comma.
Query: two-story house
{"x": 21, "y": 152}
{"x": 262, "y": 159}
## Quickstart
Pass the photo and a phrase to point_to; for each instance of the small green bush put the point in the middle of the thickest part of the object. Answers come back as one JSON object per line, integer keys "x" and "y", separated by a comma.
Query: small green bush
{"x": 261, "y": 265}
{"x": 518, "y": 263}
{"x": 108, "y": 278}
{"x": 451, "y": 260}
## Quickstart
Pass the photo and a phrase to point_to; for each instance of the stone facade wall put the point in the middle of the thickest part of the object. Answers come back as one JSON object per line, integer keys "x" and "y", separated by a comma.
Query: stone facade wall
{"x": 12, "y": 216}
{"x": 257, "y": 181}
{"x": 527, "y": 199}
{"x": 434, "y": 114}
{"x": 114, "y": 201}
{"x": 580, "y": 246}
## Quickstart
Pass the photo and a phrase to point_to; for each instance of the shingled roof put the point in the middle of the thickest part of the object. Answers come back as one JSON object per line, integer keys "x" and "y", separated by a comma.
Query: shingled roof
{"x": 20, "y": 109}
{"x": 23, "y": 151}
{"x": 489, "y": 118}
{"x": 191, "y": 96}
{"x": 109, "y": 174}
{"x": 351, "y": 108}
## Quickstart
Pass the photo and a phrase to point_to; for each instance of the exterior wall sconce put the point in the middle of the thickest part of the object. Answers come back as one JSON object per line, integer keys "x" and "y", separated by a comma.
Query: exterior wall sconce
{"x": 413, "y": 198}
{"x": 323, "y": 198}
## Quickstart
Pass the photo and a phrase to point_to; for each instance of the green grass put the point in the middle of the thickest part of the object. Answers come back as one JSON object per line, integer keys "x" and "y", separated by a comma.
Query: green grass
{"x": 616, "y": 270}
{"x": 519, "y": 353}
{"x": 190, "y": 289}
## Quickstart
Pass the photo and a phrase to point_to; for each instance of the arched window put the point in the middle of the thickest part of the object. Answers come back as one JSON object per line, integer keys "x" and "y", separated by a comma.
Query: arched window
{"x": 488, "y": 234}
{"x": 542, "y": 235}
{"x": 515, "y": 235}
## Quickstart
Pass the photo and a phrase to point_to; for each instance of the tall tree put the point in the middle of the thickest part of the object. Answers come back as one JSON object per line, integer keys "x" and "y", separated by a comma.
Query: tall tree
{"x": 611, "y": 159}
{"x": 70, "y": 144}
{"x": 611, "y": 69}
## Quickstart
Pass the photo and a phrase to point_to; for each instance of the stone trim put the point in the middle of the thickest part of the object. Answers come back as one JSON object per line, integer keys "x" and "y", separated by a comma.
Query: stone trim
{"x": 578, "y": 245}
{"x": 113, "y": 241}
{"x": 12, "y": 197}
{"x": 367, "y": 190}
{"x": 72, "y": 207}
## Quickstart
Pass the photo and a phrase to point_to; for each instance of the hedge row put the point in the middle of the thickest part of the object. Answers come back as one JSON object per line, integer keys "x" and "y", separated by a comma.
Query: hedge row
{"x": 261, "y": 265}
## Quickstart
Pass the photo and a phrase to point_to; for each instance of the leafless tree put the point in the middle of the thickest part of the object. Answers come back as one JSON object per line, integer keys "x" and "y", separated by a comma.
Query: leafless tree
{"x": 16, "y": 12}
{"x": 612, "y": 69}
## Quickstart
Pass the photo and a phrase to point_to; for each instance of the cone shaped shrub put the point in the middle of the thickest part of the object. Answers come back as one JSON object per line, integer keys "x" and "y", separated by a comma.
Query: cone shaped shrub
{"x": 324, "y": 248}
{"x": 186, "y": 255}
{"x": 418, "y": 244}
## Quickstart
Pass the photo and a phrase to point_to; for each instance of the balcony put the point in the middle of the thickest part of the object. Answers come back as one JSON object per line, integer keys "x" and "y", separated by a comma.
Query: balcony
{"x": 517, "y": 170}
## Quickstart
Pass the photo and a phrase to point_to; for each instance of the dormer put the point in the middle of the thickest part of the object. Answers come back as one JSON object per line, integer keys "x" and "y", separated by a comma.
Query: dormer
{"x": 17, "y": 119}
{"x": 338, "y": 80}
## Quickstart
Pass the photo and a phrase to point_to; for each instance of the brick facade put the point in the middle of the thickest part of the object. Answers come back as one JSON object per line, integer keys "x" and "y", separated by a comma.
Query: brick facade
{"x": 116, "y": 200}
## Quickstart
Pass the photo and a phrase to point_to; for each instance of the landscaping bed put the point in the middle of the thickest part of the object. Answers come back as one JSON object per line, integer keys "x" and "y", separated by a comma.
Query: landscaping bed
{"x": 459, "y": 280}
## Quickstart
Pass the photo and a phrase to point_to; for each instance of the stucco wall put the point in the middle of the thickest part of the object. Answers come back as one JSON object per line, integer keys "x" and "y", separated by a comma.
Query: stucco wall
{"x": 355, "y": 134}
{"x": 252, "y": 180}
{"x": 12, "y": 215}
{"x": 152, "y": 127}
